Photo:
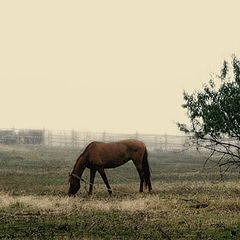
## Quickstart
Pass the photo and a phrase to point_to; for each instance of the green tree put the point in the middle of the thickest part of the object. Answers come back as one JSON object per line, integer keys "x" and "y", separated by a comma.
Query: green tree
{"x": 214, "y": 114}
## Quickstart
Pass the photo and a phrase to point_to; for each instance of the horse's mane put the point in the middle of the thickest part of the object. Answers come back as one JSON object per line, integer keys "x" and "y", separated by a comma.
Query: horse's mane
{"x": 83, "y": 154}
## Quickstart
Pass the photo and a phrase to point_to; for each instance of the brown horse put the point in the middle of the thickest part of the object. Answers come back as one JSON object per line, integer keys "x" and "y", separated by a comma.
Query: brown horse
{"x": 100, "y": 155}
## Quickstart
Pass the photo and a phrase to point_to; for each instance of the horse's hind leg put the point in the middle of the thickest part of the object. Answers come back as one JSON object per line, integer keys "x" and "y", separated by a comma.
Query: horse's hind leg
{"x": 92, "y": 176}
{"x": 141, "y": 175}
{"x": 104, "y": 177}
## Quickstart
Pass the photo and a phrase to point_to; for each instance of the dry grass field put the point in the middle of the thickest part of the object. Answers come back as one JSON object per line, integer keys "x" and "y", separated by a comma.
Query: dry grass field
{"x": 186, "y": 203}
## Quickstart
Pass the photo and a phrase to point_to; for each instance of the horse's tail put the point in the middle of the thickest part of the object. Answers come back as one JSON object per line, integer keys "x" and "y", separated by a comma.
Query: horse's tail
{"x": 146, "y": 170}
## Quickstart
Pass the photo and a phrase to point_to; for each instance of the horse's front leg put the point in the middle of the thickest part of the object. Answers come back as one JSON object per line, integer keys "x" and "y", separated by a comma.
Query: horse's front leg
{"x": 104, "y": 177}
{"x": 92, "y": 176}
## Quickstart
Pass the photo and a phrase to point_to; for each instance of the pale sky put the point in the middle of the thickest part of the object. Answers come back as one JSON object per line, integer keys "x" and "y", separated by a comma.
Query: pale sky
{"x": 114, "y": 66}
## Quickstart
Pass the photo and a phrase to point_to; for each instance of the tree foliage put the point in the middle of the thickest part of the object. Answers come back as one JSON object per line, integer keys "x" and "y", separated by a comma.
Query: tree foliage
{"x": 214, "y": 114}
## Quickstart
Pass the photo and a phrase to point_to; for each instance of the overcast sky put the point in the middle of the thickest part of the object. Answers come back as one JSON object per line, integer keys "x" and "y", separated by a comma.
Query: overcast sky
{"x": 114, "y": 66}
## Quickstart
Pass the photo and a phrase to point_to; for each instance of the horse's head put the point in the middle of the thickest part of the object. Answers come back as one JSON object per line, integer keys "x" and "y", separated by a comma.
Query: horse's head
{"x": 74, "y": 184}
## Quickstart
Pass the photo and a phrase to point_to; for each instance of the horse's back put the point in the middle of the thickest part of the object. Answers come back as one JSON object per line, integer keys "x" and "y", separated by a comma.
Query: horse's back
{"x": 128, "y": 145}
{"x": 113, "y": 154}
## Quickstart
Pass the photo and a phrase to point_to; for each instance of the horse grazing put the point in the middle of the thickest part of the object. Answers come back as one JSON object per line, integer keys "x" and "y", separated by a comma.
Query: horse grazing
{"x": 100, "y": 155}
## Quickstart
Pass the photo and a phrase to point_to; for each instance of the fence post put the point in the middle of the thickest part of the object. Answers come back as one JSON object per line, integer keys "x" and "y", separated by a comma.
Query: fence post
{"x": 49, "y": 138}
{"x": 65, "y": 140}
{"x": 136, "y": 135}
{"x": 43, "y": 137}
{"x": 155, "y": 143}
{"x": 104, "y": 136}
{"x": 165, "y": 142}
{"x": 73, "y": 139}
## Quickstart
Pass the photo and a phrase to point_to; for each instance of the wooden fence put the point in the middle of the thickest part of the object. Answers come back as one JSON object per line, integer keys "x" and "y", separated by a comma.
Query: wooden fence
{"x": 78, "y": 139}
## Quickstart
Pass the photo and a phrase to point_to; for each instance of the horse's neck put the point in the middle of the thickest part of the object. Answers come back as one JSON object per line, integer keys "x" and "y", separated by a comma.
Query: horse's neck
{"x": 80, "y": 166}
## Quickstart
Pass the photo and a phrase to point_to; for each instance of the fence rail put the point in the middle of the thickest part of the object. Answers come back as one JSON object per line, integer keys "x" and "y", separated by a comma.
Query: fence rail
{"x": 78, "y": 139}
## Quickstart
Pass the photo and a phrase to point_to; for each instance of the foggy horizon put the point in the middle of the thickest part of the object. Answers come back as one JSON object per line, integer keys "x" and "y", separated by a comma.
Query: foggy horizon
{"x": 103, "y": 66}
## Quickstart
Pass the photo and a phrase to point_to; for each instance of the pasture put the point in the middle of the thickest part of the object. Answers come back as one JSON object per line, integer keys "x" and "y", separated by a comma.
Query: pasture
{"x": 186, "y": 202}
